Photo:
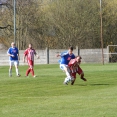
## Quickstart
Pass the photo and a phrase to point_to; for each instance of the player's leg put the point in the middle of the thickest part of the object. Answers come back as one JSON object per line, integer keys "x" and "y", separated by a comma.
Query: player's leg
{"x": 74, "y": 76}
{"x": 31, "y": 65}
{"x": 32, "y": 71}
{"x": 11, "y": 63}
{"x": 16, "y": 63}
{"x": 67, "y": 71}
{"x": 81, "y": 73}
{"x": 82, "y": 76}
{"x": 69, "y": 74}
{"x": 62, "y": 67}
{"x": 66, "y": 81}
{"x": 29, "y": 69}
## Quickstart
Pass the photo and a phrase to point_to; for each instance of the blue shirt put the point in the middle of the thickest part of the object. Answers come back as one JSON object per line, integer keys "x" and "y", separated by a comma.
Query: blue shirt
{"x": 14, "y": 51}
{"x": 66, "y": 57}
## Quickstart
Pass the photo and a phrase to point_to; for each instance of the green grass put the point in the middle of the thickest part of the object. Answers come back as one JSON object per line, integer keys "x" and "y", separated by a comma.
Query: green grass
{"x": 46, "y": 96}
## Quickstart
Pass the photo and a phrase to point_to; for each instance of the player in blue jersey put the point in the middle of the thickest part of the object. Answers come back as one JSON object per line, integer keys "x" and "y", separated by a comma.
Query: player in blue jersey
{"x": 65, "y": 58}
{"x": 14, "y": 58}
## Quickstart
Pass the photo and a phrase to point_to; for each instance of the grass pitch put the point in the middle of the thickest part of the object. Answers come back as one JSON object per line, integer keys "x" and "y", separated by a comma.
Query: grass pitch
{"x": 46, "y": 96}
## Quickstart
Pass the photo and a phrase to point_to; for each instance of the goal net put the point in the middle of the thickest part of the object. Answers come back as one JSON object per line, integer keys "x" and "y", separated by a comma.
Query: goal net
{"x": 112, "y": 53}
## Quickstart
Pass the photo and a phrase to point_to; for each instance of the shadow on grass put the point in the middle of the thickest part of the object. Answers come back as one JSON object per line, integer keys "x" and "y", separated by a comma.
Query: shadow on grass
{"x": 99, "y": 84}
{"x": 92, "y": 84}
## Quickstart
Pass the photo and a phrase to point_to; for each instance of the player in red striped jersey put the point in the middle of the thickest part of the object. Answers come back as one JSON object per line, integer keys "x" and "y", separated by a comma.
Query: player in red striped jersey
{"x": 74, "y": 66}
{"x": 29, "y": 54}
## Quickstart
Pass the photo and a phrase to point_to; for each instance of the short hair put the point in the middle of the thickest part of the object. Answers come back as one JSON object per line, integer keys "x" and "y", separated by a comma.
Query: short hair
{"x": 13, "y": 43}
{"x": 71, "y": 48}
{"x": 79, "y": 56}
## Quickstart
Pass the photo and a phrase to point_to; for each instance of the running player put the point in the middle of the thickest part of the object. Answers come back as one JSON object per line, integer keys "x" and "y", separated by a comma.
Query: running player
{"x": 14, "y": 58}
{"x": 74, "y": 66}
{"x": 29, "y": 53}
{"x": 65, "y": 58}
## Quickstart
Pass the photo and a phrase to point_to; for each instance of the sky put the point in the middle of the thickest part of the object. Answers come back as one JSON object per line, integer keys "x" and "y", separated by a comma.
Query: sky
{"x": 3, "y": 1}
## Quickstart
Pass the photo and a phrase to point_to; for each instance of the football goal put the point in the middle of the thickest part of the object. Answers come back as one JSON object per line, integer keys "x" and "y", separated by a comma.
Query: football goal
{"x": 112, "y": 53}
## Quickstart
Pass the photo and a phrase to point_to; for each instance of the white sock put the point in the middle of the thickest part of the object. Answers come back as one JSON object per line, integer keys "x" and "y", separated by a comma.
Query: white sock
{"x": 67, "y": 80}
{"x": 10, "y": 72}
{"x": 17, "y": 71}
{"x": 68, "y": 74}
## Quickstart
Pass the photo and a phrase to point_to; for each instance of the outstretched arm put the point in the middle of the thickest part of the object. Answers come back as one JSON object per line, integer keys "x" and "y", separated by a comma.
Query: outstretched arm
{"x": 58, "y": 55}
{"x": 62, "y": 54}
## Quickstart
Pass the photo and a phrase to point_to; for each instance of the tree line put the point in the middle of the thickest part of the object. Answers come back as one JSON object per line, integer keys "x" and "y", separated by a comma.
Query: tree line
{"x": 59, "y": 23}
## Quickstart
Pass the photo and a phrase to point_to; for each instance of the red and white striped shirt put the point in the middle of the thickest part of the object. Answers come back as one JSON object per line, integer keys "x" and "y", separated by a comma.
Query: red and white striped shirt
{"x": 29, "y": 53}
{"x": 73, "y": 65}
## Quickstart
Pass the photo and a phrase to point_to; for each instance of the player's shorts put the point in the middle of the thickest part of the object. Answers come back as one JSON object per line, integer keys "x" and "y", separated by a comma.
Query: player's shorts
{"x": 74, "y": 75}
{"x": 79, "y": 71}
{"x": 30, "y": 63}
{"x": 63, "y": 67}
{"x": 15, "y": 62}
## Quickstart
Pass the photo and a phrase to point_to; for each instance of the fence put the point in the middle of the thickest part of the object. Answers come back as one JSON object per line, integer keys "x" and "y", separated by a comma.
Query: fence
{"x": 48, "y": 56}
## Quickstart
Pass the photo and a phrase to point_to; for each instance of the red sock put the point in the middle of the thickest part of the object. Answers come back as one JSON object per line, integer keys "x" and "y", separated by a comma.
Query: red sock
{"x": 32, "y": 71}
{"x": 28, "y": 71}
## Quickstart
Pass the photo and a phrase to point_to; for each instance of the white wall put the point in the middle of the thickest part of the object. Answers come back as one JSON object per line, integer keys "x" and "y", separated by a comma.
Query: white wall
{"x": 88, "y": 56}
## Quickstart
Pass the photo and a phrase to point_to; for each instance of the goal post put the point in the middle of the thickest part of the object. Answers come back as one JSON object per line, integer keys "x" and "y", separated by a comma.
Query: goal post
{"x": 111, "y": 53}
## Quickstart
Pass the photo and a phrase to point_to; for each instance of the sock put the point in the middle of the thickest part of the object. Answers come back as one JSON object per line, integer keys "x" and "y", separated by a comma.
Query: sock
{"x": 68, "y": 74}
{"x": 28, "y": 71}
{"x": 17, "y": 71}
{"x": 10, "y": 72}
{"x": 32, "y": 71}
{"x": 67, "y": 80}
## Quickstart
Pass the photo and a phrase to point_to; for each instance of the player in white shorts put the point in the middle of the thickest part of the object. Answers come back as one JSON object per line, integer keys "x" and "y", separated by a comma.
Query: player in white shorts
{"x": 65, "y": 58}
{"x": 14, "y": 58}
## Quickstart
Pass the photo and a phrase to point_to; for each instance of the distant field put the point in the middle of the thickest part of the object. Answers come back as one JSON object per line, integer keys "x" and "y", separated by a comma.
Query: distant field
{"x": 46, "y": 96}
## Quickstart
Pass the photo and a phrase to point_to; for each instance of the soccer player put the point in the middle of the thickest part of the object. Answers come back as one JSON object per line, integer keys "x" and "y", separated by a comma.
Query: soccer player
{"x": 14, "y": 58}
{"x": 74, "y": 66}
{"x": 65, "y": 58}
{"x": 29, "y": 53}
